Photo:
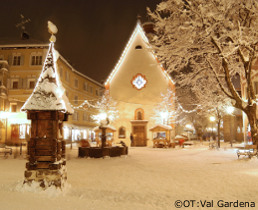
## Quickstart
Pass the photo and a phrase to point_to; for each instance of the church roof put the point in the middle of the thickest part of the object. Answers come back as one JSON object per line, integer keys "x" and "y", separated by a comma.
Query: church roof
{"x": 137, "y": 30}
{"x": 48, "y": 94}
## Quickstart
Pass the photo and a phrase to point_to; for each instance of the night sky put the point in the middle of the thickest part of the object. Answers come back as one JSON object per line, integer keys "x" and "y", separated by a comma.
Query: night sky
{"x": 92, "y": 33}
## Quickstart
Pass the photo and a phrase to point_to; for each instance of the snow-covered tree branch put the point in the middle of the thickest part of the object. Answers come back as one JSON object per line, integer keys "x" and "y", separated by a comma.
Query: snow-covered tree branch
{"x": 217, "y": 40}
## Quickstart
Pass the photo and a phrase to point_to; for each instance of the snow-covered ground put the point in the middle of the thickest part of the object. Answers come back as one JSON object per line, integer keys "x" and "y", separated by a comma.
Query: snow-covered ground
{"x": 147, "y": 178}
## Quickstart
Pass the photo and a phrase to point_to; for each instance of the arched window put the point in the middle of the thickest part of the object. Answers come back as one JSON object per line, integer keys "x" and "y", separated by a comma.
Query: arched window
{"x": 138, "y": 47}
{"x": 121, "y": 132}
{"x": 139, "y": 114}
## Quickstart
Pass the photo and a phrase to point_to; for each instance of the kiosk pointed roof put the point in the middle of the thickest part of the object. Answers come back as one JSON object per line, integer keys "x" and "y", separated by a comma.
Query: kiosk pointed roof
{"x": 48, "y": 94}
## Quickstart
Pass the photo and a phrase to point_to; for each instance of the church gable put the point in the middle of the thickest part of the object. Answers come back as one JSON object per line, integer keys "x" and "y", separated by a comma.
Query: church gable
{"x": 138, "y": 76}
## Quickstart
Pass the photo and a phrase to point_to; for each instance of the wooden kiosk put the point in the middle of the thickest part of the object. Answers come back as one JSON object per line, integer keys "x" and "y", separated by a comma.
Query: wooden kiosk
{"x": 161, "y": 135}
{"x": 47, "y": 108}
{"x": 109, "y": 135}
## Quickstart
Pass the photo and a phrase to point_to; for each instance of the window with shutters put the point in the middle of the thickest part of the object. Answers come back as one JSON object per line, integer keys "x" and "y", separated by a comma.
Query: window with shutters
{"x": 16, "y": 60}
{"x": 36, "y": 60}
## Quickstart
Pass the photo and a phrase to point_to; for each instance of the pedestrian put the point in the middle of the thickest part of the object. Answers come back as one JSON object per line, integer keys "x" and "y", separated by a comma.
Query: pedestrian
{"x": 131, "y": 138}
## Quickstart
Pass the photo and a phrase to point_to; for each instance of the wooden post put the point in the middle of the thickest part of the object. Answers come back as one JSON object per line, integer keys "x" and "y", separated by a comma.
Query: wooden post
{"x": 46, "y": 149}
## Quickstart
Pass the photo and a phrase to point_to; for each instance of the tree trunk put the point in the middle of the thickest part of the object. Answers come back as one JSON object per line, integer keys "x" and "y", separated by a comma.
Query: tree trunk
{"x": 253, "y": 124}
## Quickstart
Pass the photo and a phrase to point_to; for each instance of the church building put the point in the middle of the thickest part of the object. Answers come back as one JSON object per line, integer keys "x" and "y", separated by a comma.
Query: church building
{"x": 136, "y": 84}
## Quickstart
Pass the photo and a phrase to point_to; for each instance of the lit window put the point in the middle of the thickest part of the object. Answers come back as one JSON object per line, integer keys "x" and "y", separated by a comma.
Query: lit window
{"x": 66, "y": 132}
{"x": 84, "y": 134}
{"x": 22, "y": 133}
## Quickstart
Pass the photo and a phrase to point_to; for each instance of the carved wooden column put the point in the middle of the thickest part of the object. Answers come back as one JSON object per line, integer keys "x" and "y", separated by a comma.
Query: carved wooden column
{"x": 46, "y": 149}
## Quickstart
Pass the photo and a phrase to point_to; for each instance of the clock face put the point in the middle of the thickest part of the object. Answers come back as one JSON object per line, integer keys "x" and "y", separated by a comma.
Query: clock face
{"x": 139, "y": 81}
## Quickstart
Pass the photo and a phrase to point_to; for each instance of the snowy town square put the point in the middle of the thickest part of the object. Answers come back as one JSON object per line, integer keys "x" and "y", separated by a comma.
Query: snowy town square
{"x": 145, "y": 179}
{"x": 128, "y": 105}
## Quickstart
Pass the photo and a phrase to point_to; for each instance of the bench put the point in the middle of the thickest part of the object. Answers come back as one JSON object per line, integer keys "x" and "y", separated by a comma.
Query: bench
{"x": 247, "y": 150}
{"x": 5, "y": 150}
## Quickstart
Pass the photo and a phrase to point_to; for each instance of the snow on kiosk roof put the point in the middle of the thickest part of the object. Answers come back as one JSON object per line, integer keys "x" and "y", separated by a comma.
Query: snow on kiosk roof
{"x": 48, "y": 94}
{"x": 160, "y": 127}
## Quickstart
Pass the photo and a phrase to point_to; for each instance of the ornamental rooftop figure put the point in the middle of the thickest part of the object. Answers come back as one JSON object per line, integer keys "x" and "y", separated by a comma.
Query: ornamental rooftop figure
{"x": 47, "y": 107}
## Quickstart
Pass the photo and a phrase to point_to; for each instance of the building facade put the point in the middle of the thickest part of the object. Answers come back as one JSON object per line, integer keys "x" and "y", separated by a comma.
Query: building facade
{"x": 136, "y": 84}
{"x": 20, "y": 66}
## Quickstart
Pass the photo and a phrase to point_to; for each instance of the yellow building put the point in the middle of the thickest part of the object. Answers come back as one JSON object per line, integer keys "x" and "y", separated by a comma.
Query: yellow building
{"x": 20, "y": 66}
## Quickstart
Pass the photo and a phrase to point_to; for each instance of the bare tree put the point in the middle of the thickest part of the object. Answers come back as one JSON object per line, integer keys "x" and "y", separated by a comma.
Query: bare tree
{"x": 218, "y": 39}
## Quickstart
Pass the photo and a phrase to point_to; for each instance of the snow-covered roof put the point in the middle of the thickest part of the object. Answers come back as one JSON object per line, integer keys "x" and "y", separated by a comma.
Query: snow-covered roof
{"x": 21, "y": 43}
{"x": 48, "y": 93}
{"x": 165, "y": 127}
{"x": 181, "y": 137}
